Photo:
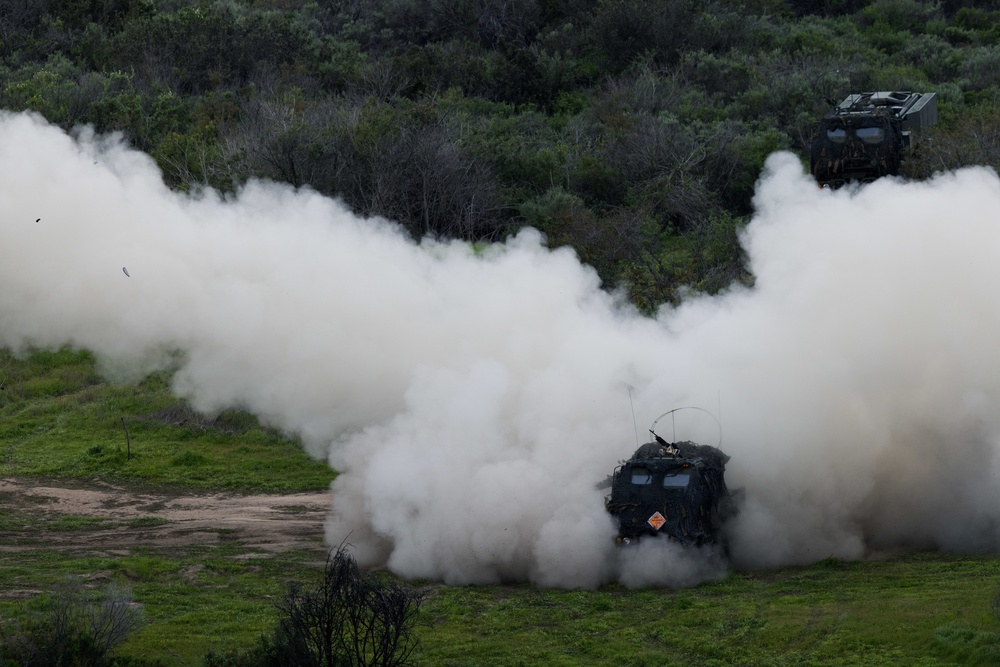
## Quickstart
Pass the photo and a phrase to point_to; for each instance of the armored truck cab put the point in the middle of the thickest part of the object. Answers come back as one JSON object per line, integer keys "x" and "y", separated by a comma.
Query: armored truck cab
{"x": 667, "y": 489}
{"x": 863, "y": 138}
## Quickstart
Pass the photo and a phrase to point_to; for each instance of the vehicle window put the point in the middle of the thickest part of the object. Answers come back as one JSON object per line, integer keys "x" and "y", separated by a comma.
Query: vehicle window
{"x": 837, "y": 135}
{"x": 641, "y": 476}
{"x": 676, "y": 481}
{"x": 870, "y": 135}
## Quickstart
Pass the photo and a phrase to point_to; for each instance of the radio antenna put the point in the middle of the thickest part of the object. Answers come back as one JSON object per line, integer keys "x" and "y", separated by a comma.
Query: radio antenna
{"x": 652, "y": 429}
{"x": 631, "y": 405}
{"x": 720, "y": 418}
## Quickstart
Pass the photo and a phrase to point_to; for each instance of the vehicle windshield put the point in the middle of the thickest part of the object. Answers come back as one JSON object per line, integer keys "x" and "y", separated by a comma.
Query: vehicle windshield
{"x": 676, "y": 480}
{"x": 870, "y": 135}
{"x": 837, "y": 135}
{"x": 641, "y": 476}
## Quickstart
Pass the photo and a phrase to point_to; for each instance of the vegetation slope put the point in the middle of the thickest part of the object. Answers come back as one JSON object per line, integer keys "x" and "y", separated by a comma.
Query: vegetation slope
{"x": 631, "y": 130}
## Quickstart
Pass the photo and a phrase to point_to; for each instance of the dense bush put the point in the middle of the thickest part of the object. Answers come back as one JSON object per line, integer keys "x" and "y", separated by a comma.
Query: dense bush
{"x": 621, "y": 127}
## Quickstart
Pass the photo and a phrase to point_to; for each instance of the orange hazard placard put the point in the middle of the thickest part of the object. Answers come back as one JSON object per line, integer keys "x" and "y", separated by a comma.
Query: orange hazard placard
{"x": 656, "y": 520}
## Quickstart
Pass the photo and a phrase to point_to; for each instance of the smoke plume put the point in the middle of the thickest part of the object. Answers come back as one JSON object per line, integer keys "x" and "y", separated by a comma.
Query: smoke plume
{"x": 473, "y": 398}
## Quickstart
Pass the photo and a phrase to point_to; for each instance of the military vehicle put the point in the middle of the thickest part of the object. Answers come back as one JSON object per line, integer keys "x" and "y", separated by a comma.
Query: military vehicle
{"x": 863, "y": 137}
{"x": 672, "y": 489}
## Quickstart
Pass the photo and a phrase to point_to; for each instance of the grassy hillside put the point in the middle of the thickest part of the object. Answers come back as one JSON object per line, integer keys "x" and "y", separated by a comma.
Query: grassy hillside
{"x": 923, "y": 609}
{"x": 631, "y": 130}
{"x": 916, "y": 610}
{"x": 58, "y": 419}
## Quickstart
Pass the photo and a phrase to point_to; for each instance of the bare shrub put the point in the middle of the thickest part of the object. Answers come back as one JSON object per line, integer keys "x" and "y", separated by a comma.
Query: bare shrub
{"x": 231, "y": 422}
{"x": 112, "y": 618}
{"x": 350, "y": 618}
{"x": 73, "y": 627}
{"x": 381, "y": 160}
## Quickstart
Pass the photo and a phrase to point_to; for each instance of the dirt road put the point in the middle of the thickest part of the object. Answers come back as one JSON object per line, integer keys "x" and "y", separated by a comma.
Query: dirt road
{"x": 95, "y": 515}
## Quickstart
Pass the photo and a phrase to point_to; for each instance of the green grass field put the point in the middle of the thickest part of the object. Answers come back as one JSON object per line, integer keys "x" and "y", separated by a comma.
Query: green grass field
{"x": 59, "y": 420}
{"x": 922, "y": 609}
{"x": 918, "y": 610}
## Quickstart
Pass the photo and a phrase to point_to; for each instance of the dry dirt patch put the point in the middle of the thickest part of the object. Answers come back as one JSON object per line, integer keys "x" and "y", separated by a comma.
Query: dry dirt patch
{"x": 127, "y": 518}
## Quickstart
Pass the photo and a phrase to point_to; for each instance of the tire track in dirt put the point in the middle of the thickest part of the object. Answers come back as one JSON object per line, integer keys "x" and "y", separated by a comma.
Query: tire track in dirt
{"x": 127, "y": 518}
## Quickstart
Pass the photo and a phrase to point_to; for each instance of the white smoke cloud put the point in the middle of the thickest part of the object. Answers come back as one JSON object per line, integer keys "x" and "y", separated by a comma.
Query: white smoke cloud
{"x": 473, "y": 399}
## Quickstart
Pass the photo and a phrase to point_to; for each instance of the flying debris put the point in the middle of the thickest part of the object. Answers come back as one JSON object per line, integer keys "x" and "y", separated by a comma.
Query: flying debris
{"x": 38, "y": 219}
{"x": 125, "y": 271}
{"x": 676, "y": 489}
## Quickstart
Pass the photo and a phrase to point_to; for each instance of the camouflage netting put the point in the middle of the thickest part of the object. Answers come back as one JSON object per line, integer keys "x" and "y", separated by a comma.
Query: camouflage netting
{"x": 674, "y": 489}
{"x": 856, "y": 147}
